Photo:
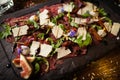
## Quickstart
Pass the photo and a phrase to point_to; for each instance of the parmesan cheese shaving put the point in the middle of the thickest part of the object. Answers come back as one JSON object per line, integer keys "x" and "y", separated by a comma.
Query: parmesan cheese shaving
{"x": 107, "y": 26}
{"x": 57, "y": 31}
{"x": 82, "y": 32}
{"x": 45, "y": 49}
{"x": 61, "y": 52}
{"x": 19, "y": 31}
{"x": 35, "y": 45}
{"x": 101, "y": 33}
{"x": 68, "y": 7}
{"x": 43, "y": 17}
{"x": 88, "y": 7}
{"x": 115, "y": 28}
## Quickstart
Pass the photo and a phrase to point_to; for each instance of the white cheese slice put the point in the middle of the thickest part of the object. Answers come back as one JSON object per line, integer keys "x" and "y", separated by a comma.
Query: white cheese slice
{"x": 15, "y": 31}
{"x": 43, "y": 17}
{"x": 83, "y": 21}
{"x": 51, "y": 24}
{"x": 68, "y": 7}
{"x": 93, "y": 20}
{"x": 101, "y": 33}
{"x": 44, "y": 21}
{"x": 88, "y": 7}
{"x": 82, "y": 32}
{"x": 35, "y": 45}
{"x": 77, "y": 20}
{"x": 44, "y": 14}
{"x": 93, "y": 13}
{"x": 115, "y": 28}
{"x": 79, "y": 12}
{"x": 19, "y": 31}
{"x": 57, "y": 31}
{"x": 23, "y": 30}
{"x": 61, "y": 52}
{"x": 45, "y": 49}
{"x": 107, "y": 26}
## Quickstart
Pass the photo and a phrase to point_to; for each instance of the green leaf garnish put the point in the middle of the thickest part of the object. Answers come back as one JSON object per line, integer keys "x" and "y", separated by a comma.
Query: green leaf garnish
{"x": 50, "y": 40}
{"x": 43, "y": 60}
{"x": 74, "y": 24}
{"x": 59, "y": 42}
{"x": 102, "y": 12}
{"x": 96, "y": 26}
{"x": 57, "y": 45}
{"x": 83, "y": 43}
{"x": 109, "y": 20}
{"x": 54, "y": 19}
{"x": 79, "y": 41}
{"x": 41, "y": 35}
{"x": 69, "y": 16}
{"x": 48, "y": 30}
{"x": 88, "y": 40}
{"x": 34, "y": 23}
{"x": 61, "y": 26}
{"x": 6, "y": 32}
{"x": 37, "y": 68}
{"x": 86, "y": 14}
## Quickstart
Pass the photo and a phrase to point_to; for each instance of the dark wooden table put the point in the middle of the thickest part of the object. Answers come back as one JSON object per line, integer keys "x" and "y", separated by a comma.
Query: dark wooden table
{"x": 106, "y": 67}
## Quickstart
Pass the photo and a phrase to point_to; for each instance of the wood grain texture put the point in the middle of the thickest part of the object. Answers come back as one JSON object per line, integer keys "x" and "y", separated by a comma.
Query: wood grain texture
{"x": 106, "y": 68}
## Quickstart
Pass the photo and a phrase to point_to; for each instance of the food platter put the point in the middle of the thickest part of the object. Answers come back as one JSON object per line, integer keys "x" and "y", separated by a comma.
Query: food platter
{"x": 70, "y": 65}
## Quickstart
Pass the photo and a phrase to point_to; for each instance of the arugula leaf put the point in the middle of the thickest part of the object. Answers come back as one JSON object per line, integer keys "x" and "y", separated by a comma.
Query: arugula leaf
{"x": 88, "y": 40}
{"x": 51, "y": 41}
{"x": 61, "y": 26}
{"x": 47, "y": 64}
{"x": 59, "y": 42}
{"x": 72, "y": 39}
{"x": 69, "y": 16}
{"x": 37, "y": 68}
{"x": 74, "y": 24}
{"x": 57, "y": 45}
{"x": 96, "y": 26}
{"x": 79, "y": 41}
{"x": 102, "y": 12}
{"x": 43, "y": 60}
{"x": 41, "y": 35}
{"x": 83, "y": 43}
{"x": 54, "y": 19}
{"x": 6, "y": 32}
{"x": 109, "y": 20}
{"x": 34, "y": 23}
{"x": 48, "y": 30}
{"x": 72, "y": 3}
{"x": 38, "y": 59}
{"x": 86, "y": 14}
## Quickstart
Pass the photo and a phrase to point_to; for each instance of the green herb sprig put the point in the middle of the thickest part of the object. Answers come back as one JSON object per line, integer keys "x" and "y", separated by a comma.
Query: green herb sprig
{"x": 6, "y": 32}
{"x": 54, "y": 19}
{"x": 34, "y": 23}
